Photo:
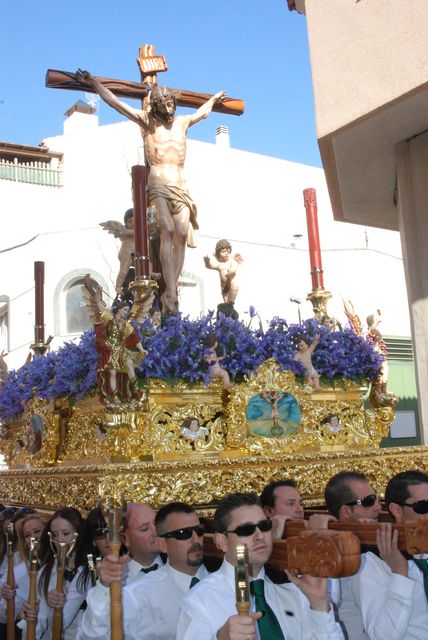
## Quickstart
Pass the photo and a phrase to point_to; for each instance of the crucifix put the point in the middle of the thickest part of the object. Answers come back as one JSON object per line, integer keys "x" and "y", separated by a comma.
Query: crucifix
{"x": 164, "y": 136}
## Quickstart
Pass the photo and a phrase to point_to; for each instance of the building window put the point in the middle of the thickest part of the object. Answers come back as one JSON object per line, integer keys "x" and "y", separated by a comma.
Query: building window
{"x": 70, "y": 311}
{"x": 4, "y": 324}
{"x": 76, "y": 312}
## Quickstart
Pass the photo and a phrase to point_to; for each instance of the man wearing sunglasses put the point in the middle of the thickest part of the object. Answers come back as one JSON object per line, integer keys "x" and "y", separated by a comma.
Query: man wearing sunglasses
{"x": 381, "y": 601}
{"x": 151, "y": 604}
{"x": 277, "y": 611}
{"x": 350, "y": 498}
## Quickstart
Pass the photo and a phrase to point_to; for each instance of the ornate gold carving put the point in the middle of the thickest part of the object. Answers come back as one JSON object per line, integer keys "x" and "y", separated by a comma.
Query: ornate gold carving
{"x": 33, "y": 439}
{"x": 87, "y": 432}
{"x": 202, "y": 484}
{"x": 166, "y": 460}
{"x": 358, "y": 428}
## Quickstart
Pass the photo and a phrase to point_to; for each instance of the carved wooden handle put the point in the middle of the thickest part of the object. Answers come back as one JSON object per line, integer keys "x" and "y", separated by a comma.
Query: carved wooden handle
{"x": 320, "y": 554}
{"x": 57, "y": 612}
{"x": 412, "y": 535}
{"x": 116, "y": 600}
{"x": 10, "y": 603}
{"x": 32, "y": 601}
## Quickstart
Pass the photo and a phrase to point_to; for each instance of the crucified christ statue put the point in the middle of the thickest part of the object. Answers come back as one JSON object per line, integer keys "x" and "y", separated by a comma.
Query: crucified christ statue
{"x": 164, "y": 136}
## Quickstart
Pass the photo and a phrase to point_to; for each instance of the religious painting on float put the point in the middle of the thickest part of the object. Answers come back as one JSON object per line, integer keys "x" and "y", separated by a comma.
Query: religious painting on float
{"x": 273, "y": 414}
{"x": 35, "y": 433}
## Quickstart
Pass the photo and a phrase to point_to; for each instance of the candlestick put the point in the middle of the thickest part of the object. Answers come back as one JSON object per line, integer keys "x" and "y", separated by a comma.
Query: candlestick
{"x": 310, "y": 199}
{"x": 142, "y": 263}
{"x": 39, "y": 278}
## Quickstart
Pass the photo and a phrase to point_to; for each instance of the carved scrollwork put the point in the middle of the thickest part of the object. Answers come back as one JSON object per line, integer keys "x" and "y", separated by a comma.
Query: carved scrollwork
{"x": 324, "y": 554}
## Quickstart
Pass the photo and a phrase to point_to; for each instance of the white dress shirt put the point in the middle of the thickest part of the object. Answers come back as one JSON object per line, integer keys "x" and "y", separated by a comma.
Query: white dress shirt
{"x": 381, "y": 605}
{"x": 206, "y": 608}
{"x": 133, "y": 569}
{"x": 150, "y": 606}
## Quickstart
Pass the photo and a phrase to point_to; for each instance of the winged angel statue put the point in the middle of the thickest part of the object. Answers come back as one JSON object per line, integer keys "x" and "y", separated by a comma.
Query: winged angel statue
{"x": 118, "y": 344}
{"x": 379, "y": 394}
{"x": 125, "y": 232}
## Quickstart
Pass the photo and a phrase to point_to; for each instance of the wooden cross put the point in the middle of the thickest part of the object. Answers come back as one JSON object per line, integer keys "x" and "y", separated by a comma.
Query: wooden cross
{"x": 149, "y": 65}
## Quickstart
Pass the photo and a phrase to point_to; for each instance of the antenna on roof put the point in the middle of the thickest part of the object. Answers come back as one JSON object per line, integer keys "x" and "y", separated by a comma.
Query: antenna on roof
{"x": 93, "y": 100}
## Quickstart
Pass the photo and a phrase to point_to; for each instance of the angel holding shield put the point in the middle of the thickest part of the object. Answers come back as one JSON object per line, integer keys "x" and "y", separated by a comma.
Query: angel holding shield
{"x": 118, "y": 344}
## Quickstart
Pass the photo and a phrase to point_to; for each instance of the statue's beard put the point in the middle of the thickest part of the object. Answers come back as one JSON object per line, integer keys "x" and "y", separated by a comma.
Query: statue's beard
{"x": 165, "y": 117}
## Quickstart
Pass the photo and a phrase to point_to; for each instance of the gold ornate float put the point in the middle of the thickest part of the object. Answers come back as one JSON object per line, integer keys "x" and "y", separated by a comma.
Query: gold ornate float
{"x": 196, "y": 444}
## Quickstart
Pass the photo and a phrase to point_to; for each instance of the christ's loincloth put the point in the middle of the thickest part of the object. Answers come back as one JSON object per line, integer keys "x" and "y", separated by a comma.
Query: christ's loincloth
{"x": 177, "y": 198}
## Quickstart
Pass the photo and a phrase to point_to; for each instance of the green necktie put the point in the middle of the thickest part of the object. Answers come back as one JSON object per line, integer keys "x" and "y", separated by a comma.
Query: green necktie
{"x": 423, "y": 566}
{"x": 194, "y": 581}
{"x": 148, "y": 569}
{"x": 268, "y": 625}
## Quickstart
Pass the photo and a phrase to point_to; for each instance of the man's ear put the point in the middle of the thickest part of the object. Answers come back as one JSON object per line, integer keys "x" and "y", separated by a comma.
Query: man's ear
{"x": 220, "y": 541}
{"x": 396, "y": 511}
{"x": 268, "y": 511}
{"x": 345, "y": 513}
{"x": 123, "y": 536}
{"x": 161, "y": 542}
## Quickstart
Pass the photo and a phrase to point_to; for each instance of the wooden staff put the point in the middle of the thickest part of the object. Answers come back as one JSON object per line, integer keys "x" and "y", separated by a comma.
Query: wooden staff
{"x": 114, "y": 528}
{"x": 412, "y": 535}
{"x": 32, "y": 593}
{"x": 322, "y": 554}
{"x": 62, "y": 551}
{"x": 11, "y": 583}
{"x": 242, "y": 584}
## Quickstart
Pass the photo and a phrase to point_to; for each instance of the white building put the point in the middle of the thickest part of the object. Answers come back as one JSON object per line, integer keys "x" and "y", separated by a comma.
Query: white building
{"x": 254, "y": 201}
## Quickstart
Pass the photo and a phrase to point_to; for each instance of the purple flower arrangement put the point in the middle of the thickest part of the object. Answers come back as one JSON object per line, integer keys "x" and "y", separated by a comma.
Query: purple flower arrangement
{"x": 176, "y": 352}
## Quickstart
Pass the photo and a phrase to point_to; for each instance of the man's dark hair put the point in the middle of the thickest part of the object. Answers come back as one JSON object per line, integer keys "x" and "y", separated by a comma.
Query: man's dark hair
{"x": 337, "y": 492}
{"x": 397, "y": 489}
{"x": 268, "y": 497}
{"x": 167, "y": 510}
{"x": 228, "y": 504}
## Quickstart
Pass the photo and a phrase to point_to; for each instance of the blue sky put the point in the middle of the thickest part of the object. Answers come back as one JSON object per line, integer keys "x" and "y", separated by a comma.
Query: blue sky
{"x": 254, "y": 49}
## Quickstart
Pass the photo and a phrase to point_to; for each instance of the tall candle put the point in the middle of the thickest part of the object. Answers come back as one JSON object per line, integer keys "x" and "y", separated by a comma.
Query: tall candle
{"x": 39, "y": 279}
{"x": 142, "y": 264}
{"x": 310, "y": 199}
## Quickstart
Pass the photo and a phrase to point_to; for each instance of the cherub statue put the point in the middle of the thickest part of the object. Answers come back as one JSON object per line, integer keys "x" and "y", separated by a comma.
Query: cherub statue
{"x": 117, "y": 342}
{"x": 215, "y": 370}
{"x": 125, "y": 232}
{"x": 192, "y": 430}
{"x": 227, "y": 266}
{"x": 304, "y": 355}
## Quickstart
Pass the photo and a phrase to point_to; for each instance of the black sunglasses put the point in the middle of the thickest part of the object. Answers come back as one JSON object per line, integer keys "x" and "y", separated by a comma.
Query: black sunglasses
{"x": 247, "y": 529}
{"x": 368, "y": 501}
{"x": 420, "y": 506}
{"x": 101, "y": 533}
{"x": 185, "y": 533}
